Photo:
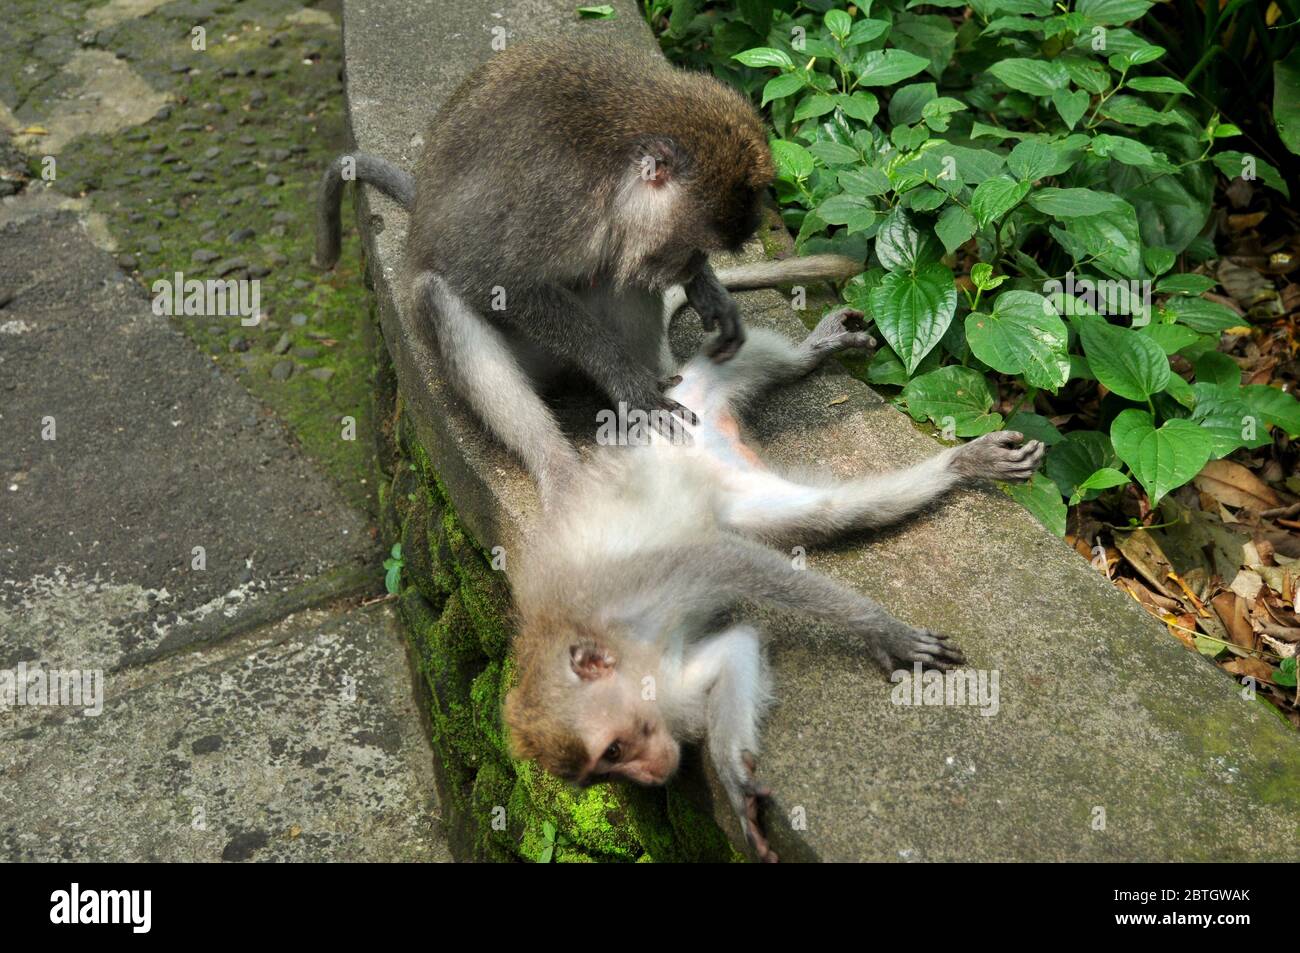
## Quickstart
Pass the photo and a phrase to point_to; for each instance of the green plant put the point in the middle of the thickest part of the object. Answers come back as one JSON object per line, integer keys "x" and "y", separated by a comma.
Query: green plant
{"x": 551, "y": 839}
{"x": 393, "y": 569}
{"x": 1015, "y": 178}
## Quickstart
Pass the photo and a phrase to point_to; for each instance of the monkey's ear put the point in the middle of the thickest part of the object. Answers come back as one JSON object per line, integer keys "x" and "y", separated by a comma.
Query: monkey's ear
{"x": 658, "y": 160}
{"x": 591, "y": 660}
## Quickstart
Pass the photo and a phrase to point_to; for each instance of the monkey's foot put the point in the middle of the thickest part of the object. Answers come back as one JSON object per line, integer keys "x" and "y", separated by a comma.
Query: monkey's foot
{"x": 839, "y": 330}
{"x": 1000, "y": 456}
{"x": 753, "y": 795}
{"x": 906, "y": 646}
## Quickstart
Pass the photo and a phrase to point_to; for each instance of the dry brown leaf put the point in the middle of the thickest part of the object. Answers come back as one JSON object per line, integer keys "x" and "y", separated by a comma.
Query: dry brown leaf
{"x": 1244, "y": 284}
{"x": 1231, "y": 609}
{"x": 1233, "y": 485}
{"x": 837, "y": 400}
{"x": 1143, "y": 554}
{"x": 1247, "y": 585}
{"x": 1250, "y": 667}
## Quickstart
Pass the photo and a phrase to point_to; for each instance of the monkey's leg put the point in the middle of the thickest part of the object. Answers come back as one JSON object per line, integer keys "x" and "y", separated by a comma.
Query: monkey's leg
{"x": 767, "y": 506}
{"x": 728, "y": 668}
{"x": 767, "y": 359}
{"x": 484, "y": 371}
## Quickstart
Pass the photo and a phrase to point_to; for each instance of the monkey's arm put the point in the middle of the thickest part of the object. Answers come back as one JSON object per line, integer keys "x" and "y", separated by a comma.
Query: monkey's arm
{"x": 555, "y": 319}
{"x": 716, "y": 310}
{"x": 397, "y": 184}
{"x": 728, "y": 669}
{"x": 766, "y": 274}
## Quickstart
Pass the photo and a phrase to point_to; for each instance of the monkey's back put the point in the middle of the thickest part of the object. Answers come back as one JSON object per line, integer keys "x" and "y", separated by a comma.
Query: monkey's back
{"x": 520, "y": 165}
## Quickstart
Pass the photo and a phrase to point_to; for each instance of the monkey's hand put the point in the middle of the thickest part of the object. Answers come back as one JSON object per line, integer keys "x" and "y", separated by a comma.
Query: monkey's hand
{"x": 717, "y": 310}
{"x": 839, "y": 330}
{"x": 731, "y": 333}
{"x": 999, "y": 456}
{"x": 902, "y": 646}
{"x": 745, "y": 795}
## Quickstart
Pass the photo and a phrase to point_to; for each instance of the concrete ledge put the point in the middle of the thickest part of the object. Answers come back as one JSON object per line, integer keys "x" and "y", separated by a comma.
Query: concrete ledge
{"x": 1101, "y": 714}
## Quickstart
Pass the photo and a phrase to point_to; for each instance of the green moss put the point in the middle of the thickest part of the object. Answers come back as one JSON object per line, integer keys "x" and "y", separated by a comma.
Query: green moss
{"x": 165, "y": 194}
{"x": 485, "y": 694}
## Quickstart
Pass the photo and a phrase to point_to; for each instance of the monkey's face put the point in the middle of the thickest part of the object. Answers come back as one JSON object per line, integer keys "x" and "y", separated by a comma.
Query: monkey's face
{"x": 624, "y": 734}
{"x": 736, "y": 215}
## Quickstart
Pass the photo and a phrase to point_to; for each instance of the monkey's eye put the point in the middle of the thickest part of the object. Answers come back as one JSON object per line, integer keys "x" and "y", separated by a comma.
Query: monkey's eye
{"x": 613, "y": 753}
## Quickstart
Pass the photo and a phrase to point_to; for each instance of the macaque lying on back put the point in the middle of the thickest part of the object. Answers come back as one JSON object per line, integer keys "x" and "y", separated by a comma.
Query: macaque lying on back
{"x": 620, "y": 653}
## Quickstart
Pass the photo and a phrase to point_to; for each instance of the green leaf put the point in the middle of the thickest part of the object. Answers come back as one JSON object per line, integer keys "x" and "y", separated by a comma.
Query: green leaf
{"x": 1157, "y": 84}
{"x": 1210, "y": 648}
{"x": 913, "y": 310}
{"x": 396, "y": 551}
{"x": 1080, "y": 454}
{"x": 1104, "y": 479}
{"x": 1228, "y": 418}
{"x": 938, "y": 112}
{"x": 1186, "y": 284}
{"x": 764, "y": 56}
{"x": 1204, "y": 316}
{"x": 1035, "y": 77}
{"x": 602, "y": 12}
{"x": 907, "y": 103}
{"x": 792, "y": 160}
{"x": 1112, "y": 238}
{"x": 834, "y": 153}
{"x": 813, "y": 105}
{"x": 981, "y": 275}
{"x": 846, "y": 209}
{"x": 1125, "y": 361}
{"x": 1234, "y": 164}
{"x": 887, "y": 67}
{"x": 839, "y": 23}
{"x": 864, "y": 31}
{"x": 994, "y": 197}
{"x": 1022, "y": 335}
{"x": 862, "y": 105}
{"x": 900, "y": 244}
{"x": 1277, "y": 408}
{"x": 393, "y": 579}
{"x": 1158, "y": 260}
{"x": 1041, "y": 497}
{"x": 1285, "y": 673}
{"x": 954, "y": 228}
{"x": 1113, "y": 12}
{"x": 1286, "y": 99}
{"x": 956, "y": 398}
{"x": 1215, "y": 367}
{"x": 1070, "y": 106}
{"x": 865, "y": 181}
{"x": 1075, "y": 203}
{"x": 1131, "y": 111}
{"x": 1032, "y": 160}
{"x": 1172, "y": 338}
{"x": 1162, "y": 459}
{"x": 779, "y": 87}
{"x": 1129, "y": 151}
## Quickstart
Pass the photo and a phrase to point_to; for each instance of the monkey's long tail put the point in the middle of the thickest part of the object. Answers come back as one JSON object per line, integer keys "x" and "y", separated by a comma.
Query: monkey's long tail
{"x": 397, "y": 184}
{"x": 770, "y": 274}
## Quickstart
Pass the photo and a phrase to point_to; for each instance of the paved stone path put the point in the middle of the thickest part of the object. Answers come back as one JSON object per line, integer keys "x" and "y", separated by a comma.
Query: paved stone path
{"x": 238, "y": 722}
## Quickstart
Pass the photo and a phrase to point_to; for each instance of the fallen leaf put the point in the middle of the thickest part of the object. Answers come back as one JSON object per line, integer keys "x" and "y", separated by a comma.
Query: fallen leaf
{"x": 1250, "y": 668}
{"x": 1233, "y": 485}
{"x": 837, "y": 400}
{"x": 1231, "y": 609}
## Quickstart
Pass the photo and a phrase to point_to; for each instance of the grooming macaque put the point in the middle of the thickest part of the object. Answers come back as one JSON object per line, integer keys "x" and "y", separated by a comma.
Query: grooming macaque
{"x": 625, "y": 646}
{"x": 563, "y": 189}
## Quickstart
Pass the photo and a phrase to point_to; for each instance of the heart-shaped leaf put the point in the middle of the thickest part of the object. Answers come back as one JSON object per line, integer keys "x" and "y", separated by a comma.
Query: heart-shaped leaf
{"x": 1022, "y": 335}
{"x": 913, "y": 310}
{"x": 1126, "y": 361}
{"x": 1162, "y": 459}
{"x": 956, "y": 398}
